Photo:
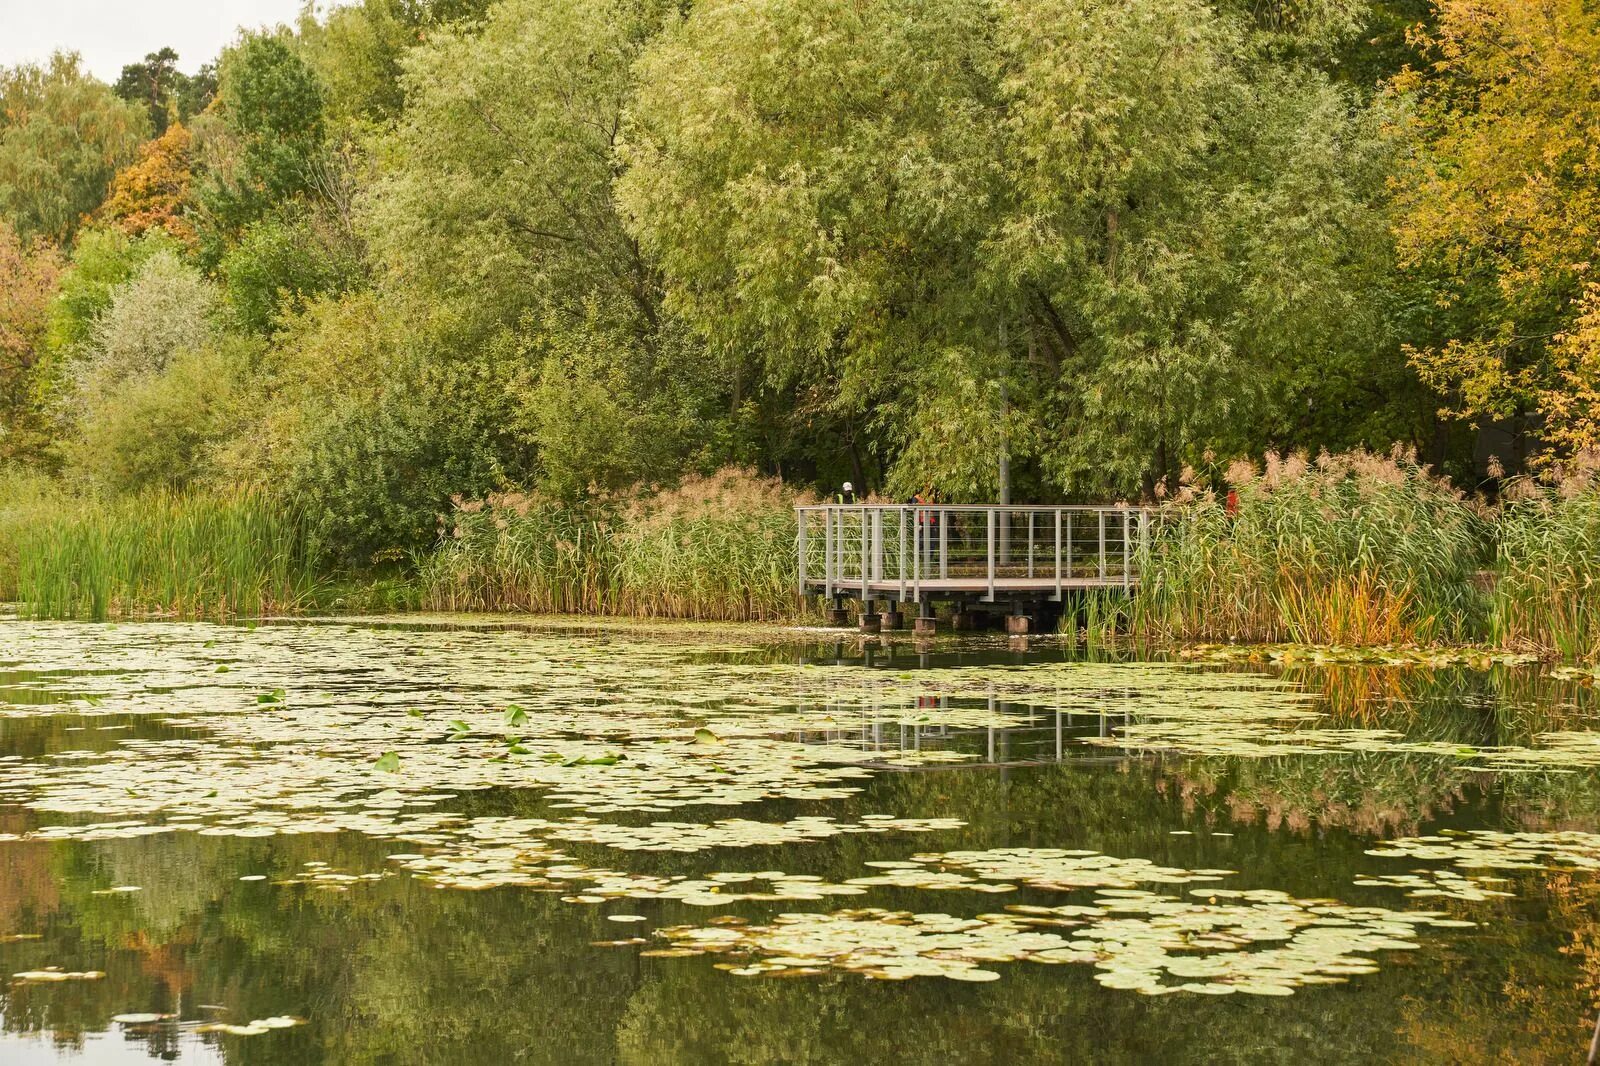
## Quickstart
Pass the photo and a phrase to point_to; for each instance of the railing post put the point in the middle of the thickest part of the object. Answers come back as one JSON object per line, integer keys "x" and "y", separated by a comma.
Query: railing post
{"x": 1030, "y": 543}
{"x": 916, "y": 559}
{"x": 900, "y": 567}
{"x": 866, "y": 548}
{"x": 877, "y": 544}
{"x": 944, "y": 545}
{"x": 1058, "y": 555}
{"x": 992, "y": 516}
{"x": 1102, "y": 515}
{"x": 1127, "y": 556}
{"x": 800, "y": 546}
{"x": 827, "y": 554}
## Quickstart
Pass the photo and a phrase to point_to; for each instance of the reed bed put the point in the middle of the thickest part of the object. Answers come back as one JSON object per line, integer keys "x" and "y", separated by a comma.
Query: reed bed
{"x": 1547, "y": 580}
{"x": 26, "y": 499}
{"x": 160, "y": 553}
{"x": 1348, "y": 549}
{"x": 717, "y": 548}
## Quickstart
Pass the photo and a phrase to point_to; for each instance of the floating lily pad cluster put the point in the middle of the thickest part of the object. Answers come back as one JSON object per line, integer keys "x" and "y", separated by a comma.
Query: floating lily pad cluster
{"x": 1438, "y": 884}
{"x": 1496, "y": 850}
{"x": 381, "y": 732}
{"x": 736, "y": 832}
{"x": 1060, "y": 870}
{"x": 348, "y": 728}
{"x": 55, "y": 974}
{"x": 1258, "y": 943}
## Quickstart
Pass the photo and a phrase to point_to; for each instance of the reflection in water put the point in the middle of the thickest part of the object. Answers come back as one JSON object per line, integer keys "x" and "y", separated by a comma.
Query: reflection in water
{"x": 678, "y": 797}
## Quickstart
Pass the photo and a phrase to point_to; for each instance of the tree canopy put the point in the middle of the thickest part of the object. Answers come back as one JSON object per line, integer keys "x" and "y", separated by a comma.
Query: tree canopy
{"x": 577, "y": 245}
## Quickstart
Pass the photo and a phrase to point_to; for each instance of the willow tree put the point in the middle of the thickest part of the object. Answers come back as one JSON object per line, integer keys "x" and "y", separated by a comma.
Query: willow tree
{"x": 63, "y": 134}
{"x": 1092, "y": 236}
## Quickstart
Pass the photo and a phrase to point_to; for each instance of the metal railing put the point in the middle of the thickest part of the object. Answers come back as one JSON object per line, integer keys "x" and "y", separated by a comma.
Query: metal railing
{"x": 911, "y": 551}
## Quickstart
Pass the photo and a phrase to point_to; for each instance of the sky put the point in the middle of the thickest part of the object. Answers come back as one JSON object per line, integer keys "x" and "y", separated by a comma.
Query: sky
{"x": 111, "y": 33}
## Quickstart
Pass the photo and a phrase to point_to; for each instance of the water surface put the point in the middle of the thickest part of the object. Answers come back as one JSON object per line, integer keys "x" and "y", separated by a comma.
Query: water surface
{"x": 462, "y": 844}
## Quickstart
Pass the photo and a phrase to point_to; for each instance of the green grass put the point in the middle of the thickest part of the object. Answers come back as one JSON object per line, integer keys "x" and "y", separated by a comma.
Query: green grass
{"x": 161, "y": 553}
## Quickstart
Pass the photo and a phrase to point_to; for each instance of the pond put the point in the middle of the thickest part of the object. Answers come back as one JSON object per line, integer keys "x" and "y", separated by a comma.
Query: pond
{"x": 468, "y": 842}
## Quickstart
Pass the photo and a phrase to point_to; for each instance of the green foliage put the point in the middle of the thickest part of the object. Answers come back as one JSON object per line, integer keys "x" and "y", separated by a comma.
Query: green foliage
{"x": 278, "y": 265}
{"x": 495, "y": 184}
{"x": 194, "y": 556}
{"x": 1139, "y": 221}
{"x": 161, "y": 429}
{"x": 166, "y": 93}
{"x": 165, "y": 308}
{"x": 358, "y": 49}
{"x": 62, "y": 137}
{"x": 271, "y": 139}
{"x": 26, "y": 499}
{"x": 602, "y": 413}
{"x": 375, "y": 472}
{"x": 102, "y": 259}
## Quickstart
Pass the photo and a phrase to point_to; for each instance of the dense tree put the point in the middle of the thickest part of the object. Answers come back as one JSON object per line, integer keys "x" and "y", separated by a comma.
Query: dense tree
{"x": 154, "y": 192}
{"x": 1498, "y": 206}
{"x": 62, "y": 137}
{"x": 270, "y": 144}
{"x": 357, "y": 50}
{"x": 573, "y": 245}
{"x": 1097, "y": 225}
{"x": 280, "y": 263}
{"x": 164, "y": 309}
{"x": 496, "y": 186}
{"x": 166, "y": 93}
{"x": 28, "y": 274}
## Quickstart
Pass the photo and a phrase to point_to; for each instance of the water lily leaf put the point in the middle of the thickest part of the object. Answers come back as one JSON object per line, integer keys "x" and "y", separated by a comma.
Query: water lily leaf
{"x": 388, "y": 762}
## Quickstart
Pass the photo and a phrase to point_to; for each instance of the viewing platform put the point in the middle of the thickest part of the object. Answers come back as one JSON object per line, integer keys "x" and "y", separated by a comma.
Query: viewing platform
{"x": 1025, "y": 560}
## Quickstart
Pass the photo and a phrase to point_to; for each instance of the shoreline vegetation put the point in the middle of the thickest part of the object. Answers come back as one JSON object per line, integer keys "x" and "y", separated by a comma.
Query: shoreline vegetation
{"x": 1352, "y": 551}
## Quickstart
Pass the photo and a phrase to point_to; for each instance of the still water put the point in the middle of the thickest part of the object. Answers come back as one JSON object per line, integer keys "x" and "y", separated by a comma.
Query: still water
{"x": 435, "y": 841}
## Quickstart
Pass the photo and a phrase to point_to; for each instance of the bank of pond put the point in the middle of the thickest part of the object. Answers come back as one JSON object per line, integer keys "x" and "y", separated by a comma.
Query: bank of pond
{"x": 1355, "y": 550}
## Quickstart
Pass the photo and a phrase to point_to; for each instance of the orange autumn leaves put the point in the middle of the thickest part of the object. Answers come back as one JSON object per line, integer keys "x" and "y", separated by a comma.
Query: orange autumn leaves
{"x": 151, "y": 193}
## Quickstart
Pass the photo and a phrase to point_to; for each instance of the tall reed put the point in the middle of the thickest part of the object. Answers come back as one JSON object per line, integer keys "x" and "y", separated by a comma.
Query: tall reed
{"x": 714, "y": 548}
{"x": 1547, "y": 581}
{"x": 195, "y": 556}
{"x": 1349, "y": 549}
{"x": 26, "y": 499}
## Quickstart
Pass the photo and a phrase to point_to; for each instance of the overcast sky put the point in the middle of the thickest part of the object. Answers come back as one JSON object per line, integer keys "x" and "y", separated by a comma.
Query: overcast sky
{"x": 110, "y": 33}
